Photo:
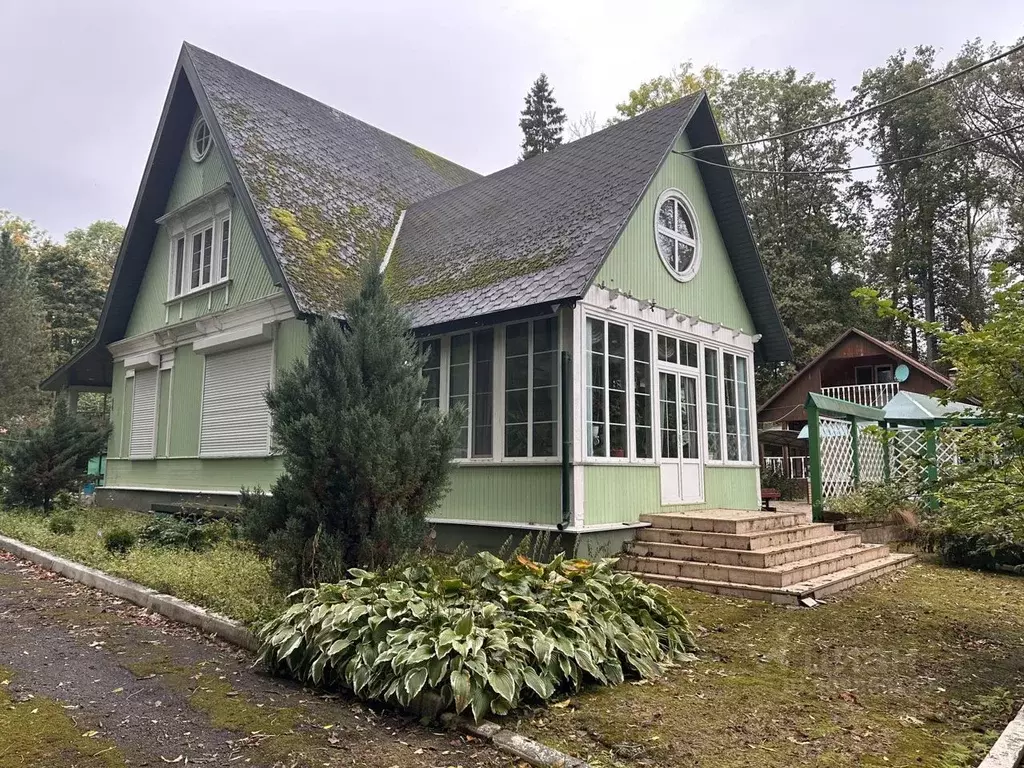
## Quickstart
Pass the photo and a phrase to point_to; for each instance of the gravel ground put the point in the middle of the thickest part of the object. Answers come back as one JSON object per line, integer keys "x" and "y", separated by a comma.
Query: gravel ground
{"x": 89, "y": 680}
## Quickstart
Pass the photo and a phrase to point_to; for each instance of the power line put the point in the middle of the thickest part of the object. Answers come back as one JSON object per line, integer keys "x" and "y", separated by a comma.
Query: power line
{"x": 866, "y": 110}
{"x": 823, "y": 171}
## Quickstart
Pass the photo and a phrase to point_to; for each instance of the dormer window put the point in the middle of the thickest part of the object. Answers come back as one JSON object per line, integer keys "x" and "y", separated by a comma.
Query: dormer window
{"x": 675, "y": 231}
{"x": 200, "y": 141}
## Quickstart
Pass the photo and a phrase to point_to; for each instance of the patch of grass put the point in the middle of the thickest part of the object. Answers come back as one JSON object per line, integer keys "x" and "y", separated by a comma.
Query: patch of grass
{"x": 39, "y": 732}
{"x": 922, "y": 669}
{"x": 229, "y": 578}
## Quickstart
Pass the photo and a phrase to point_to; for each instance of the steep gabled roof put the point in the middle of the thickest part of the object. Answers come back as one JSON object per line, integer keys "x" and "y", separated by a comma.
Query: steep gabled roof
{"x": 888, "y": 349}
{"x": 323, "y": 193}
{"x": 534, "y": 232}
{"x": 327, "y": 188}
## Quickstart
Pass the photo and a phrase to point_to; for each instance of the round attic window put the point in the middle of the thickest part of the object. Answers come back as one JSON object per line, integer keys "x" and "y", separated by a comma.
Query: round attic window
{"x": 675, "y": 231}
{"x": 201, "y": 140}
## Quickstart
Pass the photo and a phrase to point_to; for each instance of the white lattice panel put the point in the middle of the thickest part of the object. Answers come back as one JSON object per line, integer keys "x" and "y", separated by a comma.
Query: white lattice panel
{"x": 872, "y": 457}
{"x": 836, "y": 458}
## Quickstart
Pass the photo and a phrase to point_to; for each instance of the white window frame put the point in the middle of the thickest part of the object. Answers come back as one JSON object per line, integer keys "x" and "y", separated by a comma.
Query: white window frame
{"x": 498, "y": 397}
{"x": 630, "y": 391}
{"x": 751, "y": 425}
{"x": 445, "y": 372}
{"x": 196, "y": 153}
{"x": 685, "y": 275}
{"x": 654, "y": 329}
{"x": 215, "y": 226}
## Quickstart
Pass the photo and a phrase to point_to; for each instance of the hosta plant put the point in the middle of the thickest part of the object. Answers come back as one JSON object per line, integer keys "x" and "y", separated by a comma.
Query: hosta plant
{"x": 483, "y": 634}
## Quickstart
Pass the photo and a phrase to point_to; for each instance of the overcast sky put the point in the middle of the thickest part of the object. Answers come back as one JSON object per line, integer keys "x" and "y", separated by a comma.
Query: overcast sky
{"x": 82, "y": 83}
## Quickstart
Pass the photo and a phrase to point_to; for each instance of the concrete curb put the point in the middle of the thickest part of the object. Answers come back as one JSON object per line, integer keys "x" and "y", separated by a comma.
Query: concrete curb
{"x": 157, "y": 602}
{"x": 1008, "y": 751}
{"x": 531, "y": 751}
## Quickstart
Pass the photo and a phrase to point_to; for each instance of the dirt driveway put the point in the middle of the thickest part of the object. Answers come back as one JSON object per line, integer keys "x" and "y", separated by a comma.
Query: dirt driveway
{"x": 88, "y": 680}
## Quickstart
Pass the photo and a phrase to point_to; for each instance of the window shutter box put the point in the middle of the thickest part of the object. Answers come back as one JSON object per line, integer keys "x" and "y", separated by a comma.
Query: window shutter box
{"x": 246, "y": 336}
{"x": 143, "y": 437}
{"x": 236, "y": 419}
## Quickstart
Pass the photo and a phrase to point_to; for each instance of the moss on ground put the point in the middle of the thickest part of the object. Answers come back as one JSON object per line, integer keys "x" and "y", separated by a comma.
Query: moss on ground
{"x": 40, "y": 732}
{"x": 922, "y": 669}
{"x": 229, "y": 578}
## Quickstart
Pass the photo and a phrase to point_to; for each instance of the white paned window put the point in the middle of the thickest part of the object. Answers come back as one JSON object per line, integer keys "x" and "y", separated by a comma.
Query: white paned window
{"x": 678, "y": 351}
{"x": 675, "y": 232}
{"x": 737, "y": 408}
{"x": 200, "y": 141}
{"x": 714, "y": 416}
{"x": 471, "y": 386}
{"x": 199, "y": 257}
{"x": 607, "y": 402}
{"x": 144, "y": 399}
{"x": 432, "y": 372}
{"x": 642, "y": 394}
{"x": 531, "y": 388}
{"x": 235, "y": 419}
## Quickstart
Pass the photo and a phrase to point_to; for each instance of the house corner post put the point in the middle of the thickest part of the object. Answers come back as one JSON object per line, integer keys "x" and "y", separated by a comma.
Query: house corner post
{"x": 814, "y": 446}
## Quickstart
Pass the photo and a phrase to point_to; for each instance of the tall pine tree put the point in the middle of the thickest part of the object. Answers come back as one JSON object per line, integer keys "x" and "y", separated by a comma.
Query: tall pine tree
{"x": 541, "y": 120}
{"x": 24, "y": 346}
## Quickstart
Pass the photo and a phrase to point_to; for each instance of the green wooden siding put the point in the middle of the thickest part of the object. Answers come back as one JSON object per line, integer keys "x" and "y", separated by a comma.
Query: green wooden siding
{"x": 508, "y": 494}
{"x": 117, "y": 391}
{"x": 194, "y": 474}
{"x": 615, "y": 494}
{"x": 250, "y": 278}
{"x": 620, "y": 494}
{"x": 634, "y": 265}
{"x": 186, "y": 401}
{"x": 292, "y": 344}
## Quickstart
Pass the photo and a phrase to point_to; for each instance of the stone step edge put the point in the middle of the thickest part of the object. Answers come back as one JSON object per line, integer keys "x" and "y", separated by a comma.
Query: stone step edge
{"x": 820, "y": 527}
{"x": 504, "y": 739}
{"x": 795, "y": 591}
{"x": 652, "y": 518}
{"x": 785, "y": 567}
{"x": 778, "y": 550}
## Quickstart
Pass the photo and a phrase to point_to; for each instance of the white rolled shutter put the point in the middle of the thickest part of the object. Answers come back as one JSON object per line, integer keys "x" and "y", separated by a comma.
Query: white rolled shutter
{"x": 236, "y": 420}
{"x": 143, "y": 439}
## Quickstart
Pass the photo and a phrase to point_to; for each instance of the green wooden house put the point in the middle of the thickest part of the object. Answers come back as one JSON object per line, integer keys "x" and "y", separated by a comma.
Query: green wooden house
{"x": 599, "y": 309}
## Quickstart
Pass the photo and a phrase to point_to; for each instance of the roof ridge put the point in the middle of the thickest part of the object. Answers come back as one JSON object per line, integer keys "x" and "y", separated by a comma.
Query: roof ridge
{"x": 554, "y": 154}
{"x": 191, "y": 47}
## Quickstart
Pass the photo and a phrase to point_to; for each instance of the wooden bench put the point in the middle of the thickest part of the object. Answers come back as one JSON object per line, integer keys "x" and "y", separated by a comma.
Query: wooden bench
{"x": 768, "y": 495}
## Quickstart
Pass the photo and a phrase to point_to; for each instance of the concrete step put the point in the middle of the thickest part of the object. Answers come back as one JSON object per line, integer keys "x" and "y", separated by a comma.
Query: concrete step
{"x": 769, "y": 557}
{"x": 776, "y": 576}
{"x": 794, "y": 593}
{"x": 724, "y": 521}
{"x": 757, "y": 540}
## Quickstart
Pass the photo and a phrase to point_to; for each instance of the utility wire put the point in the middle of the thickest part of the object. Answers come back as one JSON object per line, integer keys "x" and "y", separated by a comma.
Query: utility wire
{"x": 866, "y": 110}
{"x": 823, "y": 171}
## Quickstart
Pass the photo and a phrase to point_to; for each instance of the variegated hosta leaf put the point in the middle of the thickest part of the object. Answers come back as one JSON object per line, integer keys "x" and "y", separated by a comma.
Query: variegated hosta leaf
{"x": 482, "y": 633}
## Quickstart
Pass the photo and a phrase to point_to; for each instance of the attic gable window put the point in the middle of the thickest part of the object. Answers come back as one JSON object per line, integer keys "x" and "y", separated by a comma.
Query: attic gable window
{"x": 199, "y": 235}
{"x": 675, "y": 231}
{"x": 200, "y": 141}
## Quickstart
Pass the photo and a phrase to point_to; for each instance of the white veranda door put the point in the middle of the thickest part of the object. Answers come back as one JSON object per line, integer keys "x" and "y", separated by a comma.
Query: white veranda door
{"x": 682, "y": 473}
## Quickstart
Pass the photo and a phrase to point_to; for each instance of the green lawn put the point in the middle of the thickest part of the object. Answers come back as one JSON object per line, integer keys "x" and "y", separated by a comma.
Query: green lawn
{"x": 921, "y": 669}
{"x": 229, "y": 578}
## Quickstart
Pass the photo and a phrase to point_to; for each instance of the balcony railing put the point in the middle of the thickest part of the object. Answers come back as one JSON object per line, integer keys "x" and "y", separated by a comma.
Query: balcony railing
{"x": 874, "y": 395}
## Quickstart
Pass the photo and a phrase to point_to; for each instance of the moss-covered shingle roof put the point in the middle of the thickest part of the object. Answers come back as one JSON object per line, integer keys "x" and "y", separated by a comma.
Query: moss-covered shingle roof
{"x": 327, "y": 187}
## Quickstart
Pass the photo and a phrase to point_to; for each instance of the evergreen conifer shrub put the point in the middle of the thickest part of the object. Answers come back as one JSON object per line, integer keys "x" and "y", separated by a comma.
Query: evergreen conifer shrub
{"x": 365, "y": 461}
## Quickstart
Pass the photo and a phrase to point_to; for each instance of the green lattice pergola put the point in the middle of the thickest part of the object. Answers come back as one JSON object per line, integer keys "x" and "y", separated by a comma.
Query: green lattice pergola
{"x": 917, "y": 419}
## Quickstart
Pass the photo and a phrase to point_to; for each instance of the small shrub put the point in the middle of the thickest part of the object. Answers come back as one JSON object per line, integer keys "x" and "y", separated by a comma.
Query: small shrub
{"x": 119, "y": 541}
{"x": 184, "y": 534}
{"x": 483, "y": 633}
{"x": 790, "y": 488}
{"x": 62, "y": 525}
{"x": 890, "y": 503}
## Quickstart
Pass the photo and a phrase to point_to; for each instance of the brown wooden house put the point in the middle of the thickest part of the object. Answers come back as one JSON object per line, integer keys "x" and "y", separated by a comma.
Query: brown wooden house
{"x": 856, "y": 367}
